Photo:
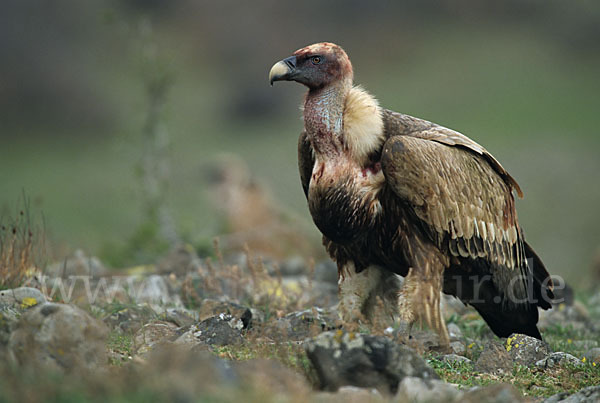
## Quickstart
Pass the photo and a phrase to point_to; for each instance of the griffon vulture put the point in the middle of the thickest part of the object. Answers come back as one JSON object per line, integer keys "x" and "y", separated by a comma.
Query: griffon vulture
{"x": 396, "y": 194}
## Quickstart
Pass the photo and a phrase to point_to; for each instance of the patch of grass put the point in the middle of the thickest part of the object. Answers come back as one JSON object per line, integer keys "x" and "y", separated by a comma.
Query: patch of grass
{"x": 21, "y": 246}
{"x": 121, "y": 345}
{"x": 529, "y": 381}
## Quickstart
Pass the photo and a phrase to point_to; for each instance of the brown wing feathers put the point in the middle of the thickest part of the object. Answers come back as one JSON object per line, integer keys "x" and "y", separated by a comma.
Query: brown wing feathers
{"x": 462, "y": 197}
{"x": 399, "y": 123}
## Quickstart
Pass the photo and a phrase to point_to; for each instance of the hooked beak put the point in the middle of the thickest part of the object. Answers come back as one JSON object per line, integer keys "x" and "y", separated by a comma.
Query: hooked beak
{"x": 283, "y": 70}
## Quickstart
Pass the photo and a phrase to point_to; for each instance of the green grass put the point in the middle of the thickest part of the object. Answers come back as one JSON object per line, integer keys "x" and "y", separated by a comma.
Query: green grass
{"x": 122, "y": 345}
{"x": 529, "y": 381}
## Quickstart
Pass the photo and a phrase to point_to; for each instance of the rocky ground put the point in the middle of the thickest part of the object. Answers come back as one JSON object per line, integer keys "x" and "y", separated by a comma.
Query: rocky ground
{"x": 235, "y": 327}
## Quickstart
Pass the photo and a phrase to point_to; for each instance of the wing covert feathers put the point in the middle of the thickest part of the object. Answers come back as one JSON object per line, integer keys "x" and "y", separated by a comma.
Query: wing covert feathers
{"x": 399, "y": 124}
{"x": 464, "y": 201}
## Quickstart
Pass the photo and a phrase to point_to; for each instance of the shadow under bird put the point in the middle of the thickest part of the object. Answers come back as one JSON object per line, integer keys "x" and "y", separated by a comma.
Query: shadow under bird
{"x": 397, "y": 195}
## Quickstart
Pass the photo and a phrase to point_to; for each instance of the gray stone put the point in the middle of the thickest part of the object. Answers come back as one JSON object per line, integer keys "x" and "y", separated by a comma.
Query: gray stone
{"x": 60, "y": 336}
{"x": 498, "y": 393}
{"x": 130, "y": 319}
{"x": 77, "y": 265}
{"x": 454, "y": 332}
{"x": 526, "y": 350}
{"x": 211, "y": 307}
{"x": 494, "y": 359}
{"x": 326, "y": 271}
{"x": 13, "y": 303}
{"x": 341, "y": 358}
{"x": 458, "y": 347}
{"x": 294, "y": 266}
{"x": 152, "y": 334}
{"x": 21, "y": 298}
{"x": 591, "y": 394}
{"x": 180, "y": 260}
{"x": 575, "y": 315}
{"x": 413, "y": 389}
{"x": 455, "y": 359}
{"x": 453, "y": 306}
{"x": 180, "y": 316}
{"x": 302, "y": 324}
{"x": 154, "y": 290}
{"x": 271, "y": 375}
{"x": 219, "y": 330}
{"x": 558, "y": 359}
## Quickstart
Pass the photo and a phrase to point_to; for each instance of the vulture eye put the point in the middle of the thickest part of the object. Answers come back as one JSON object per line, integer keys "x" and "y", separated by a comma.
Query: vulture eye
{"x": 316, "y": 59}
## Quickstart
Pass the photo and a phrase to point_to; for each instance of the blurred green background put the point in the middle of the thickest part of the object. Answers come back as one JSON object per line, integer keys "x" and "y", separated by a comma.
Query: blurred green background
{"x": 521, "y": 77}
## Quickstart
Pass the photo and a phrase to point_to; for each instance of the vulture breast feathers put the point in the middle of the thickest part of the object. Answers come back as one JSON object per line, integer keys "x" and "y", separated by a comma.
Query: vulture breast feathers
{"x": 396, "y": 194}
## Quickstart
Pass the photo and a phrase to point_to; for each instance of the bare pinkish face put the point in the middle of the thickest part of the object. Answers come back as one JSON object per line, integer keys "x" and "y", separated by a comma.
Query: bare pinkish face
{"x": 315, "y": 66}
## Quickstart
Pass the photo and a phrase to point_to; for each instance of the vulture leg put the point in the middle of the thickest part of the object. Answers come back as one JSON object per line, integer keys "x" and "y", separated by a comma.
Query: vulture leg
{"x": 355, "y": 290}
{"x": 419, "y": 298}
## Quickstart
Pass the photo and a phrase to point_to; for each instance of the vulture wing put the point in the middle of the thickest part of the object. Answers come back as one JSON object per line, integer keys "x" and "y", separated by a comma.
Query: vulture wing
{"x": 463, "y": 196}
{"x": 306, "y": 161}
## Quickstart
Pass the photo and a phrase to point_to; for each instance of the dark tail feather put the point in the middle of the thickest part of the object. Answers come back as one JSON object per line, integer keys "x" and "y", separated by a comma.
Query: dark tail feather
{"x": 542, "y": 284}
{"x": 505, "y": 319}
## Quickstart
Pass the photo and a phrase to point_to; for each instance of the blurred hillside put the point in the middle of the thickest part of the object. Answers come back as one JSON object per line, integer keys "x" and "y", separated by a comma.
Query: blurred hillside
{"x": 520, "y": 77}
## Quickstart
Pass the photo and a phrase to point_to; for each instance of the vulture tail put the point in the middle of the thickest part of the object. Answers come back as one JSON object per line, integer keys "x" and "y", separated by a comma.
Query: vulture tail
{"x": 503, "y": 318}
{"x": 542, "y": 284}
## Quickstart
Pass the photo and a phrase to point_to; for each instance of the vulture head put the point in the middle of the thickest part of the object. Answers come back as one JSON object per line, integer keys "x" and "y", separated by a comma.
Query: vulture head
{"x": 315, "y": 66}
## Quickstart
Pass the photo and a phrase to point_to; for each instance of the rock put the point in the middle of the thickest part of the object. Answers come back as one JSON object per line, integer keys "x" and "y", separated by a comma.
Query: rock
{"x": 454, "y": 332}
{"x": 526, "y": 350}
{"x": 593, "y": 355}
{"x": 340, "y": 358}
{"x": 452, "y": 306}
{"x": 272, "y": 375}
{"x": 154, "y": 290}
{"x": 21, "y": 298}
{"x": 77, "y": 265}
{"x": 13, "y": 303}
{"x": 180, "y": 260}
{"x": 326, "y": 271}
{"x": 456, "y": 359}
{"x": 180, "y": 316}
{"x": 211, "y": 307}
{"x": 420, "y": 339}
{"x": 294, "y": 266}
{"x": 219, "y": 330}
{"x": 183, "y": 374}
{"x": 558, "y": 359}
{"x": 349, "y": 394}
{"x": 494, "y": 359}
{"x": 60, "y": 336}
{"x": 152, "y": 334}
{"x": 575, "y": 315}
{"x": 129, "y": 319}
{"x": 302, "y": 324}
{"x": 591, "y": 394}
{"x": 413, "y": 389}
{"x": 458, "y": 347}
{"x": 498, "y": 393}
